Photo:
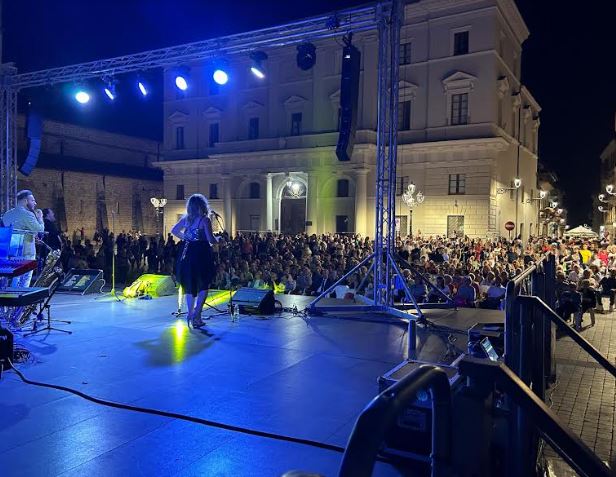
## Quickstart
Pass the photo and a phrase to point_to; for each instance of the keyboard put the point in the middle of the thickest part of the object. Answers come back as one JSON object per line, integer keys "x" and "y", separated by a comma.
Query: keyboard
{"x": 22, "y": 296}
{"x": 13, "y": 267}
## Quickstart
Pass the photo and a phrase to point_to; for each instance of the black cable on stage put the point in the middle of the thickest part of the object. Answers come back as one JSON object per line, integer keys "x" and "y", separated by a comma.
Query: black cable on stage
{"x": 173, "y": 415}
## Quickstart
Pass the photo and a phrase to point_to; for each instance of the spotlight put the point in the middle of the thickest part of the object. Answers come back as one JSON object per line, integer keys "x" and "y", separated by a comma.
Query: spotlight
{"x": 220, "y": 77}
{"x": 181, "y": 83}
{"x": 306, "y": 56}
{"x": 517, "y": 183}
{"x": 82, "y": 97}
{"x": 257, "y": 68}
{"x": 110, "y": 91}
{"x": 142, "y": 88}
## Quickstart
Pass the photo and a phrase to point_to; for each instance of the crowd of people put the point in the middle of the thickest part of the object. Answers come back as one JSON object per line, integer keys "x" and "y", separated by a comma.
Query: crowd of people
{"x": 469, "y": 271}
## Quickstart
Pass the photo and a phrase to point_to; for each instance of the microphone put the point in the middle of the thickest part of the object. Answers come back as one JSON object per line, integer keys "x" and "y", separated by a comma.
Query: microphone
{"x": 216, "y": 214}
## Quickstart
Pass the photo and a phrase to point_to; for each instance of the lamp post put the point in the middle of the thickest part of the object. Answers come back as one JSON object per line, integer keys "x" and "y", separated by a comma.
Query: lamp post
{"x": 159, "y": 205}
{"x": 542, "y": 195}
{"x": 517, "y": 183}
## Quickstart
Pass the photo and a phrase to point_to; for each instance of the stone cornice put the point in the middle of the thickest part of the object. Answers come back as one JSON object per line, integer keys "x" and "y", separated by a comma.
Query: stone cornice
{"x": 514, "y": 18}
{"x": 493, "y": 143}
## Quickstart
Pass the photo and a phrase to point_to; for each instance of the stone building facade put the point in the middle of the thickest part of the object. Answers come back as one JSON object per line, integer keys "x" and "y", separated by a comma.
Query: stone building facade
{"x": 94, "y": 179}
{"x": 263, "y": 151}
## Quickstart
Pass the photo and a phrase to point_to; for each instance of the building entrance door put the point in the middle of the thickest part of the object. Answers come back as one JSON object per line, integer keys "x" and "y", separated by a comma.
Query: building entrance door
{"x": 293, "y": 209}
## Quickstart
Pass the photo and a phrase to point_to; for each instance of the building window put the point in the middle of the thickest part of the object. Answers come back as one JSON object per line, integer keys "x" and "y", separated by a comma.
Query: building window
{"x": 457, "y": 184}
{"x": 402, "y": 182}
{"x": 342, "y": 224}
{"x": 179, "y": 192}
{"x": 214, "y": 134}
{"x": 179, "y": 137}
{"x": 404, "y": 116}
{"x": 343, "y": 188}
{"x": 213, "y": 191}
{"x": 459, "y": 108}
{"x": 253, "y": 128}
{"x": 255, "y": 190}
{"x": 296, "y": 124}
{"x": 460, "y": 43}
{"x": 405, "y": 53}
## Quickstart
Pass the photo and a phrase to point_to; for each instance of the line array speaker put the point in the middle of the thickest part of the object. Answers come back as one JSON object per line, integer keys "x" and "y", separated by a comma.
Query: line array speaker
{"x": 349, "y": 97}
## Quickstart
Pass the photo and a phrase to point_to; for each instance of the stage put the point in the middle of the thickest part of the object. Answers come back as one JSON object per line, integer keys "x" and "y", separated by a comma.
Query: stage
{"x": 306, "y": 377}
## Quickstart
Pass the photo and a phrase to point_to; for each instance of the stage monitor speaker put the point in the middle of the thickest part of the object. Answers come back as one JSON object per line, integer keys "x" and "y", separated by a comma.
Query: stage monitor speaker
{"x": 349, "y": 96}
{"x": 6, "y": 349}
{"x": 82, "y": 281}
{"x": 152, "y": 285}
{"x": 34, "y": 129}
{"x": 255, "y": 300}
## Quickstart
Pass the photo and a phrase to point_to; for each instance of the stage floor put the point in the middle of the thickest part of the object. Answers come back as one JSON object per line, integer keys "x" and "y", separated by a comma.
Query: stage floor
{"x": 306, "y": 377}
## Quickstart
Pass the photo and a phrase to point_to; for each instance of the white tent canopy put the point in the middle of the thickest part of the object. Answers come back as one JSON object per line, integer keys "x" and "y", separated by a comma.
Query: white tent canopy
{"x": 581, "y": 231}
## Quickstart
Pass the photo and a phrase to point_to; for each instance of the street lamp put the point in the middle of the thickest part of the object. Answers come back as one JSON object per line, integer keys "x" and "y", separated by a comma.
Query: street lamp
{"x": 542, "y": 195}
{"x": 610, "y": 189}
{"x": 409, "y": 200}
{"x": 517, "y": 183}
{"x": 159, "y": 205}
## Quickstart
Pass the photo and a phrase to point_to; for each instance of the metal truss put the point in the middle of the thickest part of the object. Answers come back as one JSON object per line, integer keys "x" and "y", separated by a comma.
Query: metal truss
{"x": 8, "y": 143}
{"x": 311, "y": 29}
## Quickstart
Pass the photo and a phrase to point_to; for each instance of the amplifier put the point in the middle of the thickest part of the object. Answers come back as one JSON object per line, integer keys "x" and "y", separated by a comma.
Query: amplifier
{"x": 411, "y": 437}
{"x": 255, "y": 300}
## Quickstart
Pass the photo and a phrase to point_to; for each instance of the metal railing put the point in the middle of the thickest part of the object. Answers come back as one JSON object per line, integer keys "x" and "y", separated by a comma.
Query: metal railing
{"x": 381, "y": 414}
{"x": 540, "y": 417}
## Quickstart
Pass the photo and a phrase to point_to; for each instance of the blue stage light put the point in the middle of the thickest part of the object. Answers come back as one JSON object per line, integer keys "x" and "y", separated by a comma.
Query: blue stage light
{"x": 257, "y": 72}
{"x": 82, "y": 97}
{"x": 142, "y": 88}
{"x": 110, "y": 92}
{"x": 181, "y": 83}
{"x": 220, "y": 77}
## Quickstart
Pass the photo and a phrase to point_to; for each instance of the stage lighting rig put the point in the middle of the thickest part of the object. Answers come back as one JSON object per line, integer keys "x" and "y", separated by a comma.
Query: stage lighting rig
{"x": 142, "y": 88}
{"x": 182, "y": 78}
{"x": 110, "y": 88}
{"x": 306, "y": 56}
{"x": 220, "y": 76}
{"x": 82, "y": 96}
{"x": 257, "y": 68}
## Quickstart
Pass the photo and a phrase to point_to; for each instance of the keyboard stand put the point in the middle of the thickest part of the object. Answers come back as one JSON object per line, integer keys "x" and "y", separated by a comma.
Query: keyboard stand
{"x": 45, "y": 306}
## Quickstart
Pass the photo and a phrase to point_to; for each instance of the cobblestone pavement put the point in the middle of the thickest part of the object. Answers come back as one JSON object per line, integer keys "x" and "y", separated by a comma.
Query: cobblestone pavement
{"x": 584, "y": 395}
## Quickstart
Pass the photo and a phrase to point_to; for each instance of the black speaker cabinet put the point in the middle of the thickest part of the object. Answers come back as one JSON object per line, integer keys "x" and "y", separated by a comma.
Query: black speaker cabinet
{"x": 349, "y": 97}
{"x": 254, "y": 301}
{"x": 34, "y": 129}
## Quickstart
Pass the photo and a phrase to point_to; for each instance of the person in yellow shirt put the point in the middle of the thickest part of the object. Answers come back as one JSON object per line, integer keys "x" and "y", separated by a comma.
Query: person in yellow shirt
{"x": 585, "y": 254}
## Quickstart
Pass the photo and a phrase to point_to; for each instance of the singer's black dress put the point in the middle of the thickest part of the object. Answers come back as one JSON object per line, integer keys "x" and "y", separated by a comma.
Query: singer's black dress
{"x": 195, "y": 266}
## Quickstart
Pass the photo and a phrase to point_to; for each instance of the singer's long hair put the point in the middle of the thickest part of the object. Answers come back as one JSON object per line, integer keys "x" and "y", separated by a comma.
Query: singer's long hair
{"x": 196, "y": 207}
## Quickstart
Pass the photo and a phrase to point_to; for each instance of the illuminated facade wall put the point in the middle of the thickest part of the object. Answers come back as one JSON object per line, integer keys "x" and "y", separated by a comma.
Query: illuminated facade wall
{"x": 462, "y": 111}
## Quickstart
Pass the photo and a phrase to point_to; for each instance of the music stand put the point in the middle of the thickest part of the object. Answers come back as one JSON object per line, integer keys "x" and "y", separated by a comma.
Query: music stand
{"x": 46, "y": 306}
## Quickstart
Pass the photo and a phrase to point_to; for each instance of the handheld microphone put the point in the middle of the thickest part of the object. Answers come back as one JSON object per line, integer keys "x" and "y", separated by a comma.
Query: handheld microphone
{"x": 216, "y": 214}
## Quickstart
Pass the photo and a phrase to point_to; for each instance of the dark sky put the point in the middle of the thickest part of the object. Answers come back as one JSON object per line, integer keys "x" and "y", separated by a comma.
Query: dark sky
{"x": 568, "y": 64}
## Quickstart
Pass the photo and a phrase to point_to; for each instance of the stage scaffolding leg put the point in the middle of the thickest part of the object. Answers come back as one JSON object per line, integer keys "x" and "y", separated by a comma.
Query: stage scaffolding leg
{"x": 8, "y": 139}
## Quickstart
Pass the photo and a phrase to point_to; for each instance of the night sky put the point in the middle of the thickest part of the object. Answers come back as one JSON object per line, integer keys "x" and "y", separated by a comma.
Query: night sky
{"x": 569, "y": 65}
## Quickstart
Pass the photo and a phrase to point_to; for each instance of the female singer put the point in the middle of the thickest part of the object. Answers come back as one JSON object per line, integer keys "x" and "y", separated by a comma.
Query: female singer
{"x": 195, "y": 268}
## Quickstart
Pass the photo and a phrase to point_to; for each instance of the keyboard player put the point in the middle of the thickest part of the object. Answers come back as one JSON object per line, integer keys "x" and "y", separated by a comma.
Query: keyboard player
{"x": 27, "y": 218}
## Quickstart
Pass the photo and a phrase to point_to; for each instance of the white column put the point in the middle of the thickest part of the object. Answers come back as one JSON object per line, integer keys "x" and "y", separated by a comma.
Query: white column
{"x": 270, "y": 206}
{"x": 230, "y": 224}
{"x": 312, "y": 204}
{"x": 361, "y": 210}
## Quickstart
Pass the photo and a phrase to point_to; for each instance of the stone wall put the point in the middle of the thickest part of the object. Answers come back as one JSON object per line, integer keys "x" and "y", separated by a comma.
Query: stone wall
{"x": 81, "y": 199}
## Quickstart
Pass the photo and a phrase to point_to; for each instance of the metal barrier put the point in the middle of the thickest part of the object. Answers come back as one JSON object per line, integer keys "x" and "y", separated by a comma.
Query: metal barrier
{"x": 541, "y": 418}
{"x": 537, "y": 280}
{"x": 381, "y": 414}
